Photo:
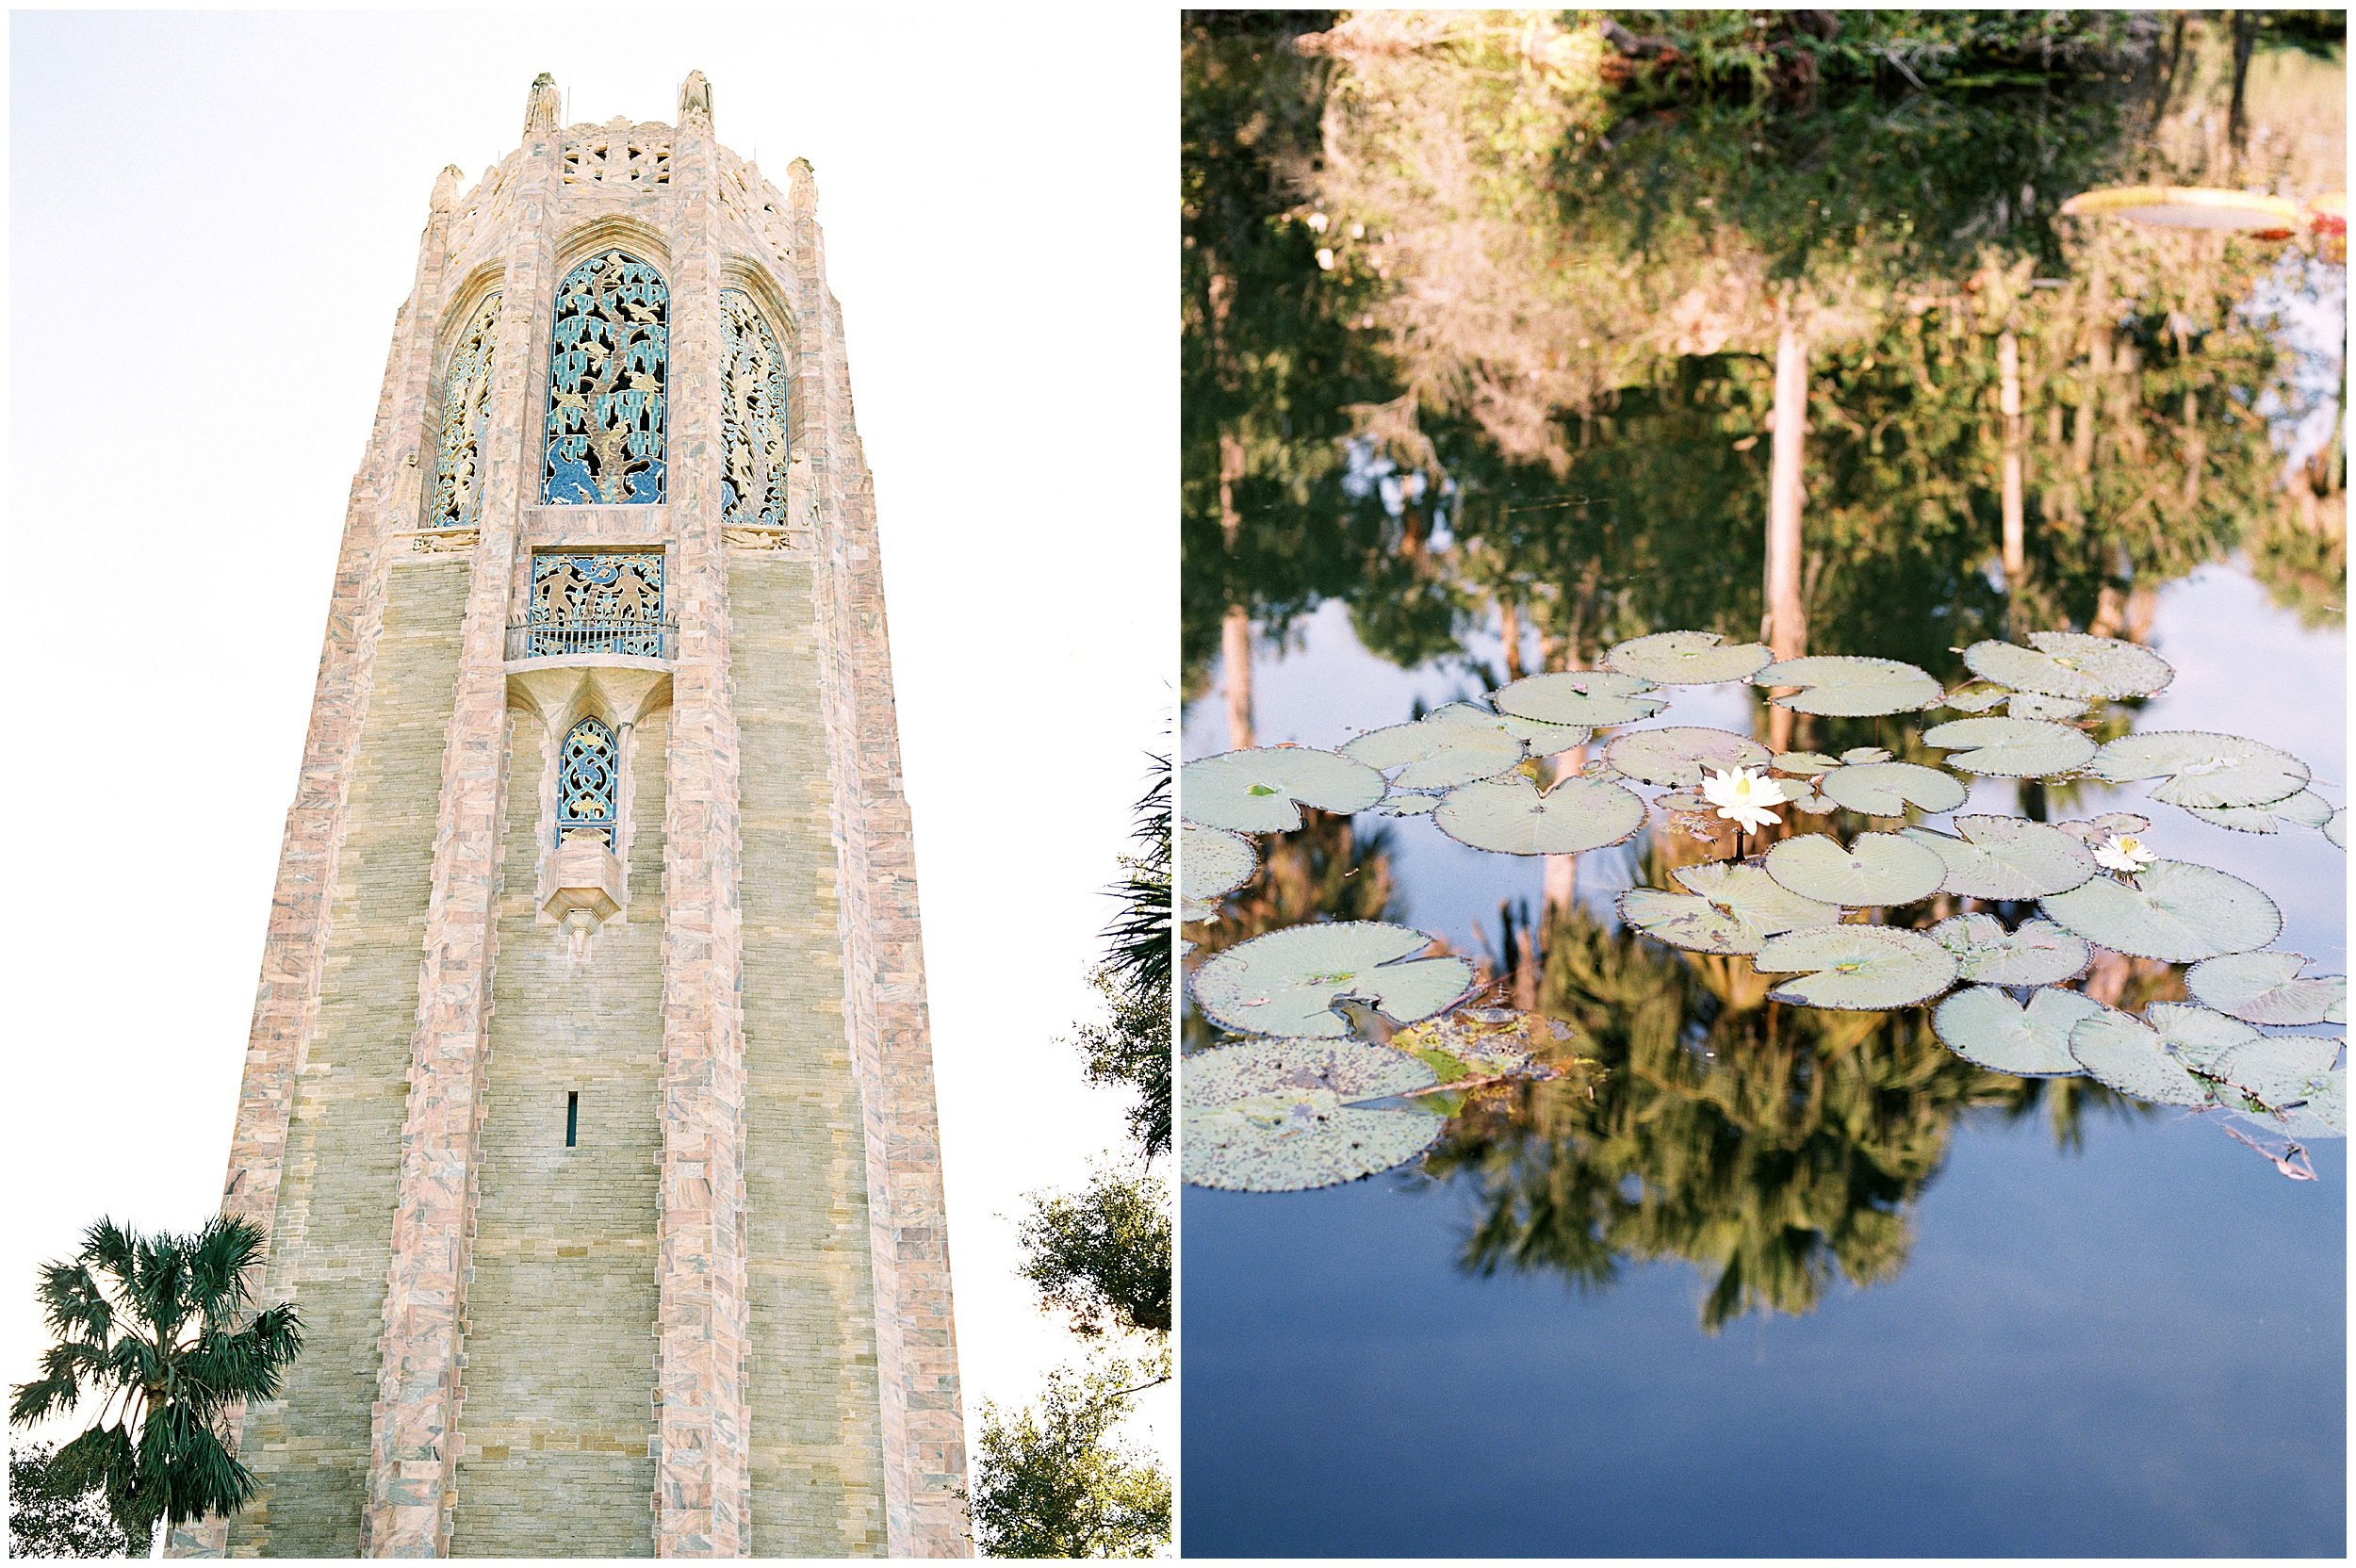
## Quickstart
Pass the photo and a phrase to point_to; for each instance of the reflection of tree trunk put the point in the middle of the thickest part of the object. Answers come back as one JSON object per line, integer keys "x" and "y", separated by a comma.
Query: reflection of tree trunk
{"x": 2016, "y": 538}
{"x": 2236, "y": 116}
{"x": 1509, "y": 629}
{"x": 1234, "y": 639}
{"x": 1560, "y": 884}
{"x": 1787, "y": 617}
{"x": 2098, "y": 371}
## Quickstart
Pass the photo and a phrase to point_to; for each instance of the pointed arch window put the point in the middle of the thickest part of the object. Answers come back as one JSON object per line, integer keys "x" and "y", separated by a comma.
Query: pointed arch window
{"x": 752, "y": 417}
{"x": 587, "y": 778}
{"x": 465, "y": 404}
{"x": 609, "y": 364}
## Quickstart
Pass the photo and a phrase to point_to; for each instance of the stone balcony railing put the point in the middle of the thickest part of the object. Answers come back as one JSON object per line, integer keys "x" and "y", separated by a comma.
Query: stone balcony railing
{"x": 553, "y": 639}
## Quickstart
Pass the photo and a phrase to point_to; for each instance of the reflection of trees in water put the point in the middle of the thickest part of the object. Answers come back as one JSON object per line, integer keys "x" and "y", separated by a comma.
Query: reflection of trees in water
{"x": 1775, "y": 1147}
{"x": 1579, "y": 330}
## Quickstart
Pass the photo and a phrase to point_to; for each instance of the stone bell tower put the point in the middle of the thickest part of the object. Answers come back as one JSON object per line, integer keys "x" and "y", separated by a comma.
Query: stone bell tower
{"x": 588, "y": 1107}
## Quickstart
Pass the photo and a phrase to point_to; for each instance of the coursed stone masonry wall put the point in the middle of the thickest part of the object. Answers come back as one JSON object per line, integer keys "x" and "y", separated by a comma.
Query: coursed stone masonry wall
{"x": 331, "y": 1242}
{"x": 557, "y": 1414}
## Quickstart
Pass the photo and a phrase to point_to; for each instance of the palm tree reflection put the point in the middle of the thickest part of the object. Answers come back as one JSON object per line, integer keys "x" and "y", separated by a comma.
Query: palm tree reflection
{"x": 1775, "y": 1147}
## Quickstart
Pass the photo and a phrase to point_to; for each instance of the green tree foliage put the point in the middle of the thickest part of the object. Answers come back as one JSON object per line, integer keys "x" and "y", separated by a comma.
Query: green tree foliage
{"x": 1051, "y": 1480}
{"x": 162, "y": 1334}
{"x": 1130, "y": 1049}
{"x": 1532, "y": 264}
{"x": 1103, "y": 1254}
{"x": 49, "y": 1519}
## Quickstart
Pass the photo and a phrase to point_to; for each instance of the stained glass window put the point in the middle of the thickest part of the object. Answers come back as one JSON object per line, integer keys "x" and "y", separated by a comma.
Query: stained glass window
{"x": 752, "y": 417}
{"x": 607, "y": 367}
{"x": 466, "y": 403}
{"x": 586, "y": 777}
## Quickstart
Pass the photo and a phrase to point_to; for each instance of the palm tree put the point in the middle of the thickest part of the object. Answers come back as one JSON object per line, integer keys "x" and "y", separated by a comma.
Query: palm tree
{"x": 161, "y": 1329}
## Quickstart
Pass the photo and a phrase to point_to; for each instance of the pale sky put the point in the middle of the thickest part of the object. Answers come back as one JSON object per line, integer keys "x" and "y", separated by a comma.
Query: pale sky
{"x": 212, "y": 218}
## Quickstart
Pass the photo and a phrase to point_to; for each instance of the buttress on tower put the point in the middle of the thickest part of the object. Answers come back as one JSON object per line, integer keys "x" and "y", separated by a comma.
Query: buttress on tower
{"x": 588, "y": 1107}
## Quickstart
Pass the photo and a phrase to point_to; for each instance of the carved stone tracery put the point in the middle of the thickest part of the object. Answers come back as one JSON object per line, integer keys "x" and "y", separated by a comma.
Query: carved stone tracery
{"x": 602, "y": 603}
{"x": 752, "y": 417}
{"x": 617, "y": 153}
{"x": 589, "y": 775}
{"x": 465, "y": 404}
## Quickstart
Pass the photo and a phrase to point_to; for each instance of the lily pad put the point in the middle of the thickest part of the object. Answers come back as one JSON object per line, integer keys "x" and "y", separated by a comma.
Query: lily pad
{"x": 2110, "y": 824}
{"x": 2174, "y": 910}
{"x": 2196, "y": 768}
{"x": 1284, "y": 983}
{"x": 1545, "y": 739}
{"x": 1875, "y": 869}
{"x": 2134, "y": 1058}
{"x": 1404, "y": 804}
{"x": 1987, "y": 1028}
{"x": 2336, "y": 829}
{"x": 2037, "y": 954}
{"x": 2277, "y": 1071}
{"x": 1436, "y": 756}
{"x": 2007, "y": 857}
{"x": 1682, "y": 919}
{"x": 1680, "y": 754}
{"x": 1811, "y": 798}
{"x": 2265, "y": 987}
{"x": 1978, "y": 696}
{"x": 1858, "y": 757}
{"x": 1846, "y": 684}
{"x": 1856, "y": 968}
{"x": 2070, "y": 664}
{"x": 1804, "y": 764}
{"x": 1728, "y": 908}
{"x": 1469, "y": 1045}
{"x": 1688, "y": 658}
{"x": 2304, "y": 809}
{"x": 1275, "y": 1114}
{"x": 1593, "y": 698}
{"x": 1887, "y": 789}
{"x": 1192, "y": 909}
{"x": 1212, "y": 861}
{"x": 2037, "y": 705}
{"x": 1262, "y": 790}
{"x": 1509, "y": 816}
{"x": 2010, "y": 748}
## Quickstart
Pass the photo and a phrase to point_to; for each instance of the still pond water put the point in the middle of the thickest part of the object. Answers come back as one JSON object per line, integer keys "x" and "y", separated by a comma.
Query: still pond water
{"x": 1775, "y": 1282}
{"x": 2135, "y": 1345}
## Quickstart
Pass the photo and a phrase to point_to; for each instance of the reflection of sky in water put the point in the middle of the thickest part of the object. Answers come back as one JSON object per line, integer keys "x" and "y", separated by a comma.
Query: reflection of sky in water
{"x": 2135, "y": 1349}
{"x": 2305, "y": 299}
{"x": 2230, "y": 648}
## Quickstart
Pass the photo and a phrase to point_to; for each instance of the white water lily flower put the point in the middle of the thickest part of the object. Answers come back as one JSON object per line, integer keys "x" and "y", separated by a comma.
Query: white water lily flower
{"x": 1744, "y": 796}
{"x": 2124, "y": 852}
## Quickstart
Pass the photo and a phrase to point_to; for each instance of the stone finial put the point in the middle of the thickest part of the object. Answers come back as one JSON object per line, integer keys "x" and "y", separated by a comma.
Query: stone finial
{"x": 542, "y": 108}
{"x": 801, "y": 185}
{"x": 695, "y": 100}
{"x": 445, "y": 188}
